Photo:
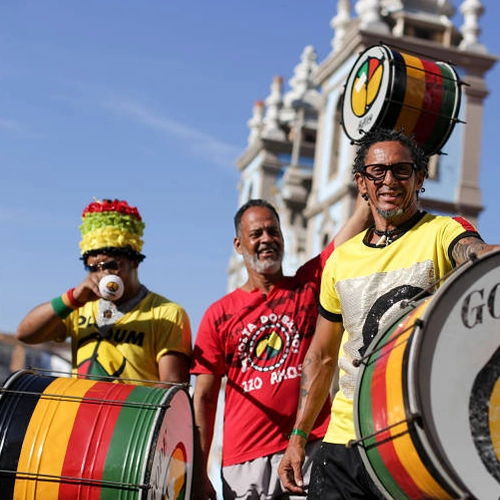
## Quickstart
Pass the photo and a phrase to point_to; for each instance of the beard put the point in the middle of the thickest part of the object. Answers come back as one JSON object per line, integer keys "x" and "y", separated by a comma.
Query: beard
{"x": 390, "y": 214}
{"x": 266, "y": 266}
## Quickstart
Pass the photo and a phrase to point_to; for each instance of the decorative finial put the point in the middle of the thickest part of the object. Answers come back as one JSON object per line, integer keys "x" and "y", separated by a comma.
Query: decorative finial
{"x": 340, "y": 23}
{"x": 274, "y": 103}
{"x": 256, "y": 123}
{"x": 471, "y": 10}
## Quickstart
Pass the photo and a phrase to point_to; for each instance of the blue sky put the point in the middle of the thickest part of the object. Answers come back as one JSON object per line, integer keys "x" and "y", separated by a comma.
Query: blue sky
{"x": 148, "y": 101}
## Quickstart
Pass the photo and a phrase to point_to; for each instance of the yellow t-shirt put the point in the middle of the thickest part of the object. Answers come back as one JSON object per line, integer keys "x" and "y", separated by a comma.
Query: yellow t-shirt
{"x": 363, "y": 286}
{"x": 132, "y": 347}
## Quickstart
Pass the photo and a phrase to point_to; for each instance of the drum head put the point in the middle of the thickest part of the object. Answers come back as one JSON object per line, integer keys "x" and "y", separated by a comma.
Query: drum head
{"x": 457, "y": 376}
{"x": 367, "y": 87}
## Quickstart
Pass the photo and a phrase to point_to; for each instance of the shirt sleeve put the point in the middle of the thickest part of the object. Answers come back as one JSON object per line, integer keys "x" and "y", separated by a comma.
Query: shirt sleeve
{"x": 328, "y": 297}
{"x": 178, "y": 337}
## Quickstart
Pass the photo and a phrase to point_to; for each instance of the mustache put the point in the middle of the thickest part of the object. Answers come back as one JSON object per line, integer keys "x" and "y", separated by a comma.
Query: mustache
{"x": 267, "y": 246}
{"x": 390, "y": 191}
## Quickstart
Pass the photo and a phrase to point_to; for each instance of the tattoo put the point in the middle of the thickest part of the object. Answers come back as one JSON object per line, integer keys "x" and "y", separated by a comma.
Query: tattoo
{"x": 466, "y": 248}
{"x": 304, "y": 392}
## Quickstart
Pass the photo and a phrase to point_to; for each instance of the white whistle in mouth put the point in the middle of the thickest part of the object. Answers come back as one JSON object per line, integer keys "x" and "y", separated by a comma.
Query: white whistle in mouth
{"x": 111, "y": 287}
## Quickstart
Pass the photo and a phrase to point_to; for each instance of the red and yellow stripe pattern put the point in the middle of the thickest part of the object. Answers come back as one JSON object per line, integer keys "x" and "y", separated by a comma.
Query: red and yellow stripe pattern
{"x": 392, "y": 445}
{"x": 426, "y": 100}
{"x": 84, "y": 439}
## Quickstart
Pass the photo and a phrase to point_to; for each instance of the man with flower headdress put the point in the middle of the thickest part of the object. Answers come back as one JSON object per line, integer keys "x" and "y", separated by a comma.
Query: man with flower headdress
{"x": 138, "y": 336}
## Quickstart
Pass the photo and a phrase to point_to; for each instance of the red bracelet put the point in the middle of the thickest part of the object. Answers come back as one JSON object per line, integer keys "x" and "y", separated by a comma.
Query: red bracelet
{"x": 75, "y": 303}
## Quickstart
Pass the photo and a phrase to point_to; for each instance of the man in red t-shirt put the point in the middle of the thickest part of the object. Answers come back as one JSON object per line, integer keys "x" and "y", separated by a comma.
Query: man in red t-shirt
{"x": 257, "y": 337}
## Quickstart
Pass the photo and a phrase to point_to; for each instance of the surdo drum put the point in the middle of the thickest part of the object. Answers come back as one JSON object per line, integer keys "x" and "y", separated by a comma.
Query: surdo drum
{"x": 72, "y": 438}
{"x": 391, "y": 89}
{"x": 427, "y": 400}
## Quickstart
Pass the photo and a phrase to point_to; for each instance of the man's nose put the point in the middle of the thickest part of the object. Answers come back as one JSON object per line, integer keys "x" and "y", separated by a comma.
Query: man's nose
{"x": 389, "y": 177}
{"x": 266, "y": 236}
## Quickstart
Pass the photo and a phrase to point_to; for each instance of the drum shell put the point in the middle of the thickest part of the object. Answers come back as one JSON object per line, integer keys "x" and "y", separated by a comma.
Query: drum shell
{"x": 77, "y": 438}
{"x": 416, "y": 394}
{"x": 387, "y": 88}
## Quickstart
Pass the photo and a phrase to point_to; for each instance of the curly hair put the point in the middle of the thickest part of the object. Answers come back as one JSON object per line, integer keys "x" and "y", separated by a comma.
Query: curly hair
{"x": 420, "y": 158}
{"x": 127, "y": 252}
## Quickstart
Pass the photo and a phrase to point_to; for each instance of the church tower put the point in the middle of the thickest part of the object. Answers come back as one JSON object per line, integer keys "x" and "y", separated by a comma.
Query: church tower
{"x": 299, "y": 156}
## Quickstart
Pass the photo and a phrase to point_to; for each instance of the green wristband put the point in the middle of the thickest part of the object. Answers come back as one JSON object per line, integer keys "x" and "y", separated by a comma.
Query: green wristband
{"x": 60, "y": 308}
{"x": 299, "y": 432}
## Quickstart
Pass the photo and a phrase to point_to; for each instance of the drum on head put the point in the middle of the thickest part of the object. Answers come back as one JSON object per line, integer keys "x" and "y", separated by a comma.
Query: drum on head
{"x": 427, "y": 400}
{"x": 73, "y": 438}
{"x": 391, "y": 89}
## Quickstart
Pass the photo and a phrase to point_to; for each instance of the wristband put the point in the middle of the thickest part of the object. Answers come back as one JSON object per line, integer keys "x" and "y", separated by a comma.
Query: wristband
{"x": 60, "y": 308}
{"x": 299, "y": 432}
{"x": 73, "y": 302}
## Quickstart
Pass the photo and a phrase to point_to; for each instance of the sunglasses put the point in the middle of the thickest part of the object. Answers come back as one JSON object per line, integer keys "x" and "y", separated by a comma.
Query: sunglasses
{"x": 377, "y": 172}
{"x": 109, "y": 265}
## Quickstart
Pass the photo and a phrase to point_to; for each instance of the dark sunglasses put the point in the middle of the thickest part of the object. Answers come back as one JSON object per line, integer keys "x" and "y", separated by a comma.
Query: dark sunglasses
{"x": 377, "y": 172}
{"x": 109, "y": 265}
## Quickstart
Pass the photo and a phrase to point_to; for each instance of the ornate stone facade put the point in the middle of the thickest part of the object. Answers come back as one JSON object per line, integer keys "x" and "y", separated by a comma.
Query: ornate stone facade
{"x": 298, "y": 156}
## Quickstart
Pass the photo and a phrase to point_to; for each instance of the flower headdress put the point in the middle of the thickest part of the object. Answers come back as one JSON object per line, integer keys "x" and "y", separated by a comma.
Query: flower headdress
{"x": 111, "y": 225}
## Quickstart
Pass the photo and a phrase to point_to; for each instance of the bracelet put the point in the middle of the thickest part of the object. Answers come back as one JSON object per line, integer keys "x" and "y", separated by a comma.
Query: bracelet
{"x": 73, "y": 302}
{"x": 299, "y": 432}
{"x": 60, "y": 308}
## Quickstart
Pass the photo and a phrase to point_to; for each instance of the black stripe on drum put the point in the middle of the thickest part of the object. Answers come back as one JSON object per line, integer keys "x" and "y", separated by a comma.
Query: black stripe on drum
{"x": 397, "y": 90}
{"x": 16, "y": 409}
{"x": 419, "y": 447}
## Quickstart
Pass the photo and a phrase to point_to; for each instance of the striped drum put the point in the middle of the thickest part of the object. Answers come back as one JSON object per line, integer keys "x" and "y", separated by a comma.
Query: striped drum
{"x": 390, "y": 89}
{"x": 427, "y": 400}
{"x": 71, "y": 438}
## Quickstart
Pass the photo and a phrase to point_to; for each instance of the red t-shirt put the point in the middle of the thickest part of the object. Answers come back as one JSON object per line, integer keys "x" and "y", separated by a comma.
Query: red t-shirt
{"x": 259, "y": 343}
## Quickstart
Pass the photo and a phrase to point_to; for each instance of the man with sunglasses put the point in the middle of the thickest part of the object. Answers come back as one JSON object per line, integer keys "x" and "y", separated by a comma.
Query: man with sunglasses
{"x": 365, "y": 280}
{"x": 139, "y": 336}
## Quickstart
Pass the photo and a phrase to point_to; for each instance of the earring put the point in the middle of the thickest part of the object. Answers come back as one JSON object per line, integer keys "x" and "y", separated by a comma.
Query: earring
{"x": 364, "y": 196}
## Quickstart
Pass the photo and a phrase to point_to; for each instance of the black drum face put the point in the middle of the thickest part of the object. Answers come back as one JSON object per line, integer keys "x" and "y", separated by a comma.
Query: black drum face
{"x": 427, "y": 404}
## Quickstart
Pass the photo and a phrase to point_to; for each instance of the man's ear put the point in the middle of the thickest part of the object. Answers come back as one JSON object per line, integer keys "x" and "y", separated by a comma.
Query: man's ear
{"x": 419, "y": 179}
{"x": 237, "y": 244}
{"x": 361, "y": 183}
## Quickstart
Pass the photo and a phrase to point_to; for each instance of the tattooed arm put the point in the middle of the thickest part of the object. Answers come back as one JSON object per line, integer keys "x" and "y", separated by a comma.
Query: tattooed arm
{"x": 468, "y": 246}
{"x": 318, "y": 369}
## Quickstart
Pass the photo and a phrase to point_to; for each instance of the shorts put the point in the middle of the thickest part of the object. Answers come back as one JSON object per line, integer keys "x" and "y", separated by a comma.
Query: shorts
{"x": 338, "y": 473}
{"x": 258, "y": 479}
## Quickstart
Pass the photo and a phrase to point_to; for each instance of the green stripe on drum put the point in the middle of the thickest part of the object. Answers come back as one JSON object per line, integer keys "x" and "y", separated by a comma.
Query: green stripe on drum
{"x": 448, "y": 112}
{"x": 130, "y": 446}
{"x": 365, "y": 415}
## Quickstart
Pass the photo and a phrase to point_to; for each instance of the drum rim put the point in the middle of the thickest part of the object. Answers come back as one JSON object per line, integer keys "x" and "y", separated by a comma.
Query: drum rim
{"x": 172, "y": 393}
{"x": 349, "y": 84}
